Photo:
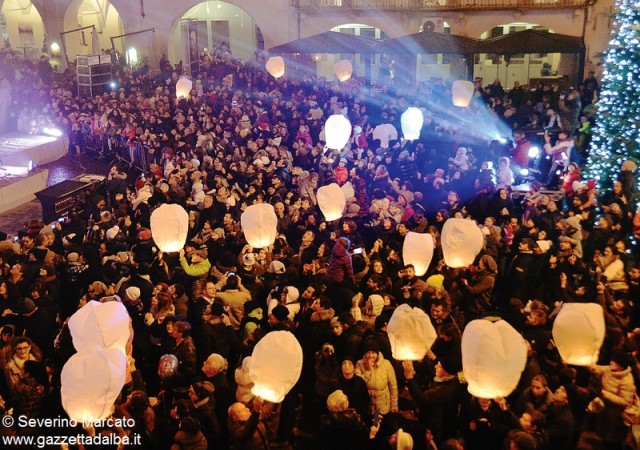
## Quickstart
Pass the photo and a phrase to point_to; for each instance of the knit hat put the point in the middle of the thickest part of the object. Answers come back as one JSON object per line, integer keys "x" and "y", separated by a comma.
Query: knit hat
{"x": 280, "y": 312}
{"x": 436, "y": 282}
{"x": 277, "y": 267}
{"x": 219, "y": 232}
{"x": 217, "y": 362}
{"x": 113, "y": 232}
{"x": 73, "y": 257}
{"x": 123, "y": 256}
{"x": 621, "y": 358}
{"x": 292, "y": 294}
{"x": 217, "y": 309}
{"x": 377, "y": 303}
{"x": 248, "y": 259}
{"x": 404, "y": 441}
{"x": 133, "y": 292}
{"x": 591, "y": 184}
{"x": 337, "y": 401}
{"x": 370, "y": 345}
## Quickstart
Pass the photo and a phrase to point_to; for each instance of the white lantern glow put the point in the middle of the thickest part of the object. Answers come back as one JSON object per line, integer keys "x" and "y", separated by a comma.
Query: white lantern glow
{"x": 343, "y": 69}
{"x": 337, "y": 131}
{"x": 411, "y": 121}
{"x": 461, "y": 240}
{"x": 494, "y": 355}
{"x": 183, "y": 87}
{"x": 100, "y": 325}
{"x": 411, "y": 333}
{"x": 332, "y": 201}
{"x": 276, "y": 363}
{"x": 417, "y": 249}
{"x": 347, "y": 190}
{"x": 275, "y": 66}
{"x": 169, "y": 227}
{"x": 90, "y": 384}
{"x": 461, "y": 93}
{"x": 578, "y": 332}
{"x": 259, "y": 224}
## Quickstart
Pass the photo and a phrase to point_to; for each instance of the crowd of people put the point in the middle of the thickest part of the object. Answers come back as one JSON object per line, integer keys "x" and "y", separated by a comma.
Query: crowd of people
{"x": 243, "y": 138}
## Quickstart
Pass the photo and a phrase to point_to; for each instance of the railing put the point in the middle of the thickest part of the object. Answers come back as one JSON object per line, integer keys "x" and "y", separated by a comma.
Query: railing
{"x": 436, "y": 6}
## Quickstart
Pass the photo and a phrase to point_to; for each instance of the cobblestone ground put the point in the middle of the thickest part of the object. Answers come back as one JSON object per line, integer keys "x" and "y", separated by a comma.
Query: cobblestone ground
{"x": 66, "y": 168}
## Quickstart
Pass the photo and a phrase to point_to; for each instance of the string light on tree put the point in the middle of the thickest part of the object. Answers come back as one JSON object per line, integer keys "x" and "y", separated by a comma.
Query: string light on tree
{"x": 617, "y": 136}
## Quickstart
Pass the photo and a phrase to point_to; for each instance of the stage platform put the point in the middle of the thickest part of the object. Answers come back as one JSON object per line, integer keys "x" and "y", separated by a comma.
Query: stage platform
{"x": 17, "y": 149}
{"x": 16, "y": 190}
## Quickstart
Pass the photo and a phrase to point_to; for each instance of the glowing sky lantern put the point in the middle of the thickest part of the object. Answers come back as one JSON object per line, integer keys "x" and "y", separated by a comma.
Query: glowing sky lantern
{"x": 169, "y": 227}
{"x": 183, "y": 87}
{"x": 337, "y": 131}
{"x": 411, "y": 333}
{"x": 461, "y": 93}
{"x": 91, "y": 382}
{"x": 343, "y": 69}
{"x": 275, "y": 66}
{"x": 461, "y": 241}
{"x": 259, "y": 224}
{"x": 100, "y": 325}
{"x": 578, "y": 332}
{"x": 411, "y": 121}
{"x": 494, "y": 355}
{"x": 276, "y": 363}
{"x": 331, "y": 201}
{"x": 417, "y": 249}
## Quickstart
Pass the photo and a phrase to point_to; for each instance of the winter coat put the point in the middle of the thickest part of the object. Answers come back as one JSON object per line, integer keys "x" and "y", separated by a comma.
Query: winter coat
{"x": 479, "y": 298}
{"x": 343, "y": 430}
{"x": 235, "y": 300}
{"x": 381, "y": 383}
{"x": 340, "y": 267}
{"x": 618, "y": 390}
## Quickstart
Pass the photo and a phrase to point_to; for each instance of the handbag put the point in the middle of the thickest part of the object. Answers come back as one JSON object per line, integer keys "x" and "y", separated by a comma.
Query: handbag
{"x": 631, "y": 414}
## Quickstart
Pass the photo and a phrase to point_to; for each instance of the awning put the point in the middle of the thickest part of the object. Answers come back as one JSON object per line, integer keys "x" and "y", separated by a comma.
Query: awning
{"x": 428, "y": 42}
{"x": 330, "y": 42}
{"x": 531, "y": 41}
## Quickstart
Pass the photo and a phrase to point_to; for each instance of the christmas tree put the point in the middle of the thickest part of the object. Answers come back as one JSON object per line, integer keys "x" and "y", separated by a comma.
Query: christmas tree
{"x": 616, "y": 137}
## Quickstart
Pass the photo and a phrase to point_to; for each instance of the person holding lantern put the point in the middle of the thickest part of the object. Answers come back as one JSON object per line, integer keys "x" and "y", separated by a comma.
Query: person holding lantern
{"x": 440, "y": 402}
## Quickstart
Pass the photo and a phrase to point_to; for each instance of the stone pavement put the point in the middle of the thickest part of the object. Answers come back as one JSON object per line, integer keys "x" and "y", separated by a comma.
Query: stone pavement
{"x": 65, "y": 168}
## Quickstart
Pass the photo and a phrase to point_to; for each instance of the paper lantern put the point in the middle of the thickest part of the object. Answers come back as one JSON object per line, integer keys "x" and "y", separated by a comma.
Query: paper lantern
{"x": 461, "y": 241}
{"x": 332, "y": 201}
{"x": 100, "y": 325}
{"x": 343, "y": 69}
{"x": 91, "y": 382}
{"x": 347, "y": 190}
{"x": 411, "y": 333}
{"x": 337, "y": 131}
{"x": 276, "y": 363}
{"x": 183, "y": 87}
{"x": 461, "y": 93}
{"x": 259, "y": 224}
{"x": 494, "y": 355}
{"x": 411, "y": 121}
{"x": 275, "y": 66}
{"x": 418, "y": 250}
{"x": 578, "y": 332}
{"x": 169, "y": 227}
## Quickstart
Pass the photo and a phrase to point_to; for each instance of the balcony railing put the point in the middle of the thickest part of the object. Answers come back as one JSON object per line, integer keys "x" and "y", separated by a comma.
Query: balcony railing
{"x": 435, "y": 6}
